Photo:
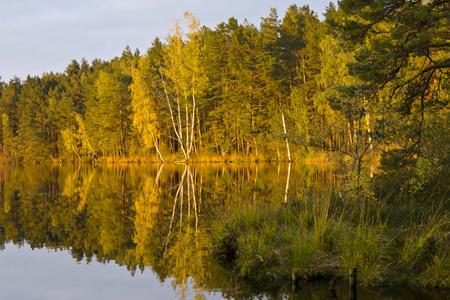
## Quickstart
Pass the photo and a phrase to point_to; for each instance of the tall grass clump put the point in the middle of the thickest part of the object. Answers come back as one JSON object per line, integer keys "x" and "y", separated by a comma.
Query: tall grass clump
{"x": 303, "y": 241}
{"x": 424, "y": 247}
{"x": 362, "y": 247}
{"x": 437, "y": 273}
{"x": 275, "y": 242}
{"x": 250, "y": 241}
{"x": 301, "y": 254}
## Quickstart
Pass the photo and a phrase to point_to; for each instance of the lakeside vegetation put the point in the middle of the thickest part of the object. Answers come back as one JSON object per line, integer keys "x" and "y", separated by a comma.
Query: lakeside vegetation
{"x": 170, "y": 219}
{"x": 321, "y": 238}
{"x": 369, "y": 80}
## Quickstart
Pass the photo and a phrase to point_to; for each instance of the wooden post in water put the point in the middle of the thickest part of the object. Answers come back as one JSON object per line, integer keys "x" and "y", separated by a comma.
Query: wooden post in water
{"x": 333, "y": 287}
{"x": 295, "y": 283}
{"x": 352, "y": 284}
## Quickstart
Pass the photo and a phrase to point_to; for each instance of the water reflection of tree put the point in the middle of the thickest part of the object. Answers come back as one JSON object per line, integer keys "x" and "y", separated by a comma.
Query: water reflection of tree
{"x": 167, "y": 234}
{"x": 142, "y": 218}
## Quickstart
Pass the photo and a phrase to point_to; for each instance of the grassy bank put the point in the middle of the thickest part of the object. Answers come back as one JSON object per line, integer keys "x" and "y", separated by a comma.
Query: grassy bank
{"x": 305, "y": 156}
{"x": 324, "y": 237}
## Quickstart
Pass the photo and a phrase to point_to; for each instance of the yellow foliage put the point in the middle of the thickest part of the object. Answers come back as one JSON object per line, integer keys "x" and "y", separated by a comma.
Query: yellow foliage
{"x": 144, "y": 117}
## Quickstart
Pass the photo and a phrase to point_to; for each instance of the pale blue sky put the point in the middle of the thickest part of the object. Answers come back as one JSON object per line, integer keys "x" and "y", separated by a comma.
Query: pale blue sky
{"x": 39, "y": 36}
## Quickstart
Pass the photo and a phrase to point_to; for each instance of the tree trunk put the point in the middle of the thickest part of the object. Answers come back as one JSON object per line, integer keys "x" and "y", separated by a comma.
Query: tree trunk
{"x": 287, "y": 183}
{"x": 157, "y": 150}
{"x": 286, "y": 138}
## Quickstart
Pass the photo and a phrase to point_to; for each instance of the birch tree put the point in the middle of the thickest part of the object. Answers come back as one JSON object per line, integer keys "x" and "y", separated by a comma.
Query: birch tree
{"x": 182, "y": 79}
{"x": 145, "y": 118}
{"x": 75, "y": 137}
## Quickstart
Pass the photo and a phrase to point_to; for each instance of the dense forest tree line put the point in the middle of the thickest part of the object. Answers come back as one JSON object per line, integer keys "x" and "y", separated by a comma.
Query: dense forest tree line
{"x": 372, "y": 76}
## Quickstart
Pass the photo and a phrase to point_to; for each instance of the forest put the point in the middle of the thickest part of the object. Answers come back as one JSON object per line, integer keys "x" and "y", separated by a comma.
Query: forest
{"x": 368, "y": 83}
{"x": 370, "y": 79}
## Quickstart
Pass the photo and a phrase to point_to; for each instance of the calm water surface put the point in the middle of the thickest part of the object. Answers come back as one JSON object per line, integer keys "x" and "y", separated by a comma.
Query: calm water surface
{"x": 141, "y": 232}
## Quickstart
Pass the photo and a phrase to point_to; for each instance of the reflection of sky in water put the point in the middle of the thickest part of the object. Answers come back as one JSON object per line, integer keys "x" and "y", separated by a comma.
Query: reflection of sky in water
{"x": 46, "y": 274}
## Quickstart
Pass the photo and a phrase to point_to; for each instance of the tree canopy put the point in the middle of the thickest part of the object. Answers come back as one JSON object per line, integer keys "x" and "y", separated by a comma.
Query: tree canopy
{"x": 371, "y": 76}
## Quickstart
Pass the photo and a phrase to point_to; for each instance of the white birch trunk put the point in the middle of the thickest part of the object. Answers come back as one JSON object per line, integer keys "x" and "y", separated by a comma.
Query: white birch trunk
{"x": 287, "y": 183}
{"x": 286, "y": 139}
{"x": 178, "y": 133}
{"x": 159, "y": 152}
{"x": 367, "y": 115}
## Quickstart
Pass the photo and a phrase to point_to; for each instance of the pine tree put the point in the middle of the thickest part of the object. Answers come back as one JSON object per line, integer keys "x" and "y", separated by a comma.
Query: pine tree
{"x": 7, "y": 145}
{"x": 92, "y": 114}
{"x": 108, "y": 109}
{"x": 33, "y": 141}
{"x": 216, "y": 63}
{"x": 402, "y": 49}
{"x": 401, "y": 60}
{"x": 9, "y": 101}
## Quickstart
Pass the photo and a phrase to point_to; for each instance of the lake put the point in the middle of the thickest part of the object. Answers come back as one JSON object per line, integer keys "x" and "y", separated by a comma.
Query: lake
{"x": 142, "y": 232}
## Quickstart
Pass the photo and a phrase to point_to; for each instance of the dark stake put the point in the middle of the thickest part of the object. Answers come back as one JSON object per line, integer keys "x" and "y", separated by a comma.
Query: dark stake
{"x": 333, "y": 287}
{"x": 295, "y": 283}
{"x": 352, "y": 284}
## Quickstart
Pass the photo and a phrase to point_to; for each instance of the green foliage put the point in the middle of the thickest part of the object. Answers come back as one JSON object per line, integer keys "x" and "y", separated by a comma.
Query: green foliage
{"x": 8, "y": 138}
{"x": 437, "y": 273}
{"x": 421, "y": 175}
{"x": 328, "y": 236}
{"x": 145, "y": 118}
{"x": 252, "y": 239}
{"x": 362, "y": 248}
{"x": 111, "y": 111}
{"x": 271, "y": 243}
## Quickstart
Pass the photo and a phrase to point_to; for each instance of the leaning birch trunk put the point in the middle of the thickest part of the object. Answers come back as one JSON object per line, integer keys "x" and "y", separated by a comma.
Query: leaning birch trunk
{"x": 157, "y": 150}
{"x": 6, "y": 153}
{"x": 287, "y": 183}
{"x": 287, "y": 141}
{"x": 92, "y": 150}
{"x": 158, "y": 174}
{"x": 75, "y": 151}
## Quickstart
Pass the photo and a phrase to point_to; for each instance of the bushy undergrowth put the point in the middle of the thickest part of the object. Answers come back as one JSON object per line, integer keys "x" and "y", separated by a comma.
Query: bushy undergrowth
{"x": 326, "y": 237}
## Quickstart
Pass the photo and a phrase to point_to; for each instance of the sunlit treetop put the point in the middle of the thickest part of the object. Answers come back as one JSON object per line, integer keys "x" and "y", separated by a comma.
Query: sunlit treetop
{"x": 392, "y": 35}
